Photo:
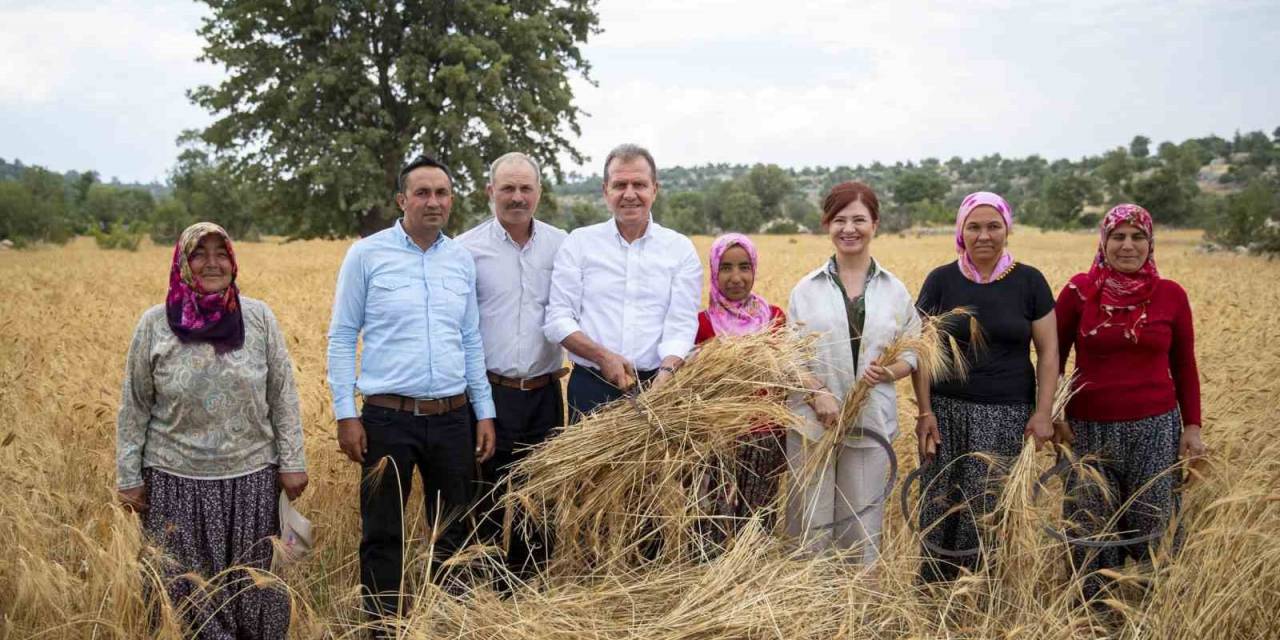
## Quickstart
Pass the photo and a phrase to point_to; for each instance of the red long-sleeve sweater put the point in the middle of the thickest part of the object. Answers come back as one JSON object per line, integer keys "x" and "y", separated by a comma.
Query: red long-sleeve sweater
{"x": 707, "y": 332}
{"x": 1120, "y": 380}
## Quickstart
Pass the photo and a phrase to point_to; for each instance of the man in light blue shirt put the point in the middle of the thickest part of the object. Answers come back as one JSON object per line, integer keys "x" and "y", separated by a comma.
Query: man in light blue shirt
{"x": 411, "y": 291}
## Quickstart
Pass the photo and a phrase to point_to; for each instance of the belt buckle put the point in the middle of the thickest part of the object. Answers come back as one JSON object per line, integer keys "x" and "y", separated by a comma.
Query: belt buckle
{"x": 522, "y": 387}
{"x": 416, "y": 403}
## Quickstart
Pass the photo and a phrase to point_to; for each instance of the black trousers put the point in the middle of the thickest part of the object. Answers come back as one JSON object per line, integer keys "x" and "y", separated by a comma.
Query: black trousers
{"x": 525, "y": 419}
{"x": 588, "y": 390}
{"x": 442, "y": 449}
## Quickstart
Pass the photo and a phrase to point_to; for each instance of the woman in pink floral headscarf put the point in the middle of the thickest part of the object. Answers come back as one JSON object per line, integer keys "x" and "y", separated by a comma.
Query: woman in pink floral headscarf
{"x": 735, "y": 310}
{"x": 1137, "y": 406}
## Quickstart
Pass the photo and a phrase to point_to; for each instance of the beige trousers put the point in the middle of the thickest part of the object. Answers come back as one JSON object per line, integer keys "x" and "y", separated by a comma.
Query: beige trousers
{"x": 824, "y": 514}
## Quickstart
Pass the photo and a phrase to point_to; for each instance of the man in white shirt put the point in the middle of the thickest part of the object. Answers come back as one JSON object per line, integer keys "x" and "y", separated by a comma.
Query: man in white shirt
{"x": 514, "y": 254}
{"x": 625, "y": 292}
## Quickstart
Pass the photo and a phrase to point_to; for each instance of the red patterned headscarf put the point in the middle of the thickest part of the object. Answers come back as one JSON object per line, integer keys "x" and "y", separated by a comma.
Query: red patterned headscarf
{"x": 196, "y": 315}
{"x": 1114, "y": 298}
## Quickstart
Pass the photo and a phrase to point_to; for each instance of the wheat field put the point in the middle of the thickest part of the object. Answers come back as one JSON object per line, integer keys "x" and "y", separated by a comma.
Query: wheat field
{"x": 70, "y": 566}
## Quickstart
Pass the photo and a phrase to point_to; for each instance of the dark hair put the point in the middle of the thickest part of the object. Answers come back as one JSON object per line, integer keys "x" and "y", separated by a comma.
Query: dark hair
{"x": 846, "y": 193}
{"x": 418, "y": 163}
{"x": 628, "y": 151}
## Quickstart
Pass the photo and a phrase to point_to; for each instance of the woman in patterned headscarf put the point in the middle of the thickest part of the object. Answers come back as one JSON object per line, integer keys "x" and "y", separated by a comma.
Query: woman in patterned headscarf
{"x": 1137, "y": 404}
{"x": 1002, "y": 400}
{"x": 209, "y": 433}
{"x": 735, "y": 310}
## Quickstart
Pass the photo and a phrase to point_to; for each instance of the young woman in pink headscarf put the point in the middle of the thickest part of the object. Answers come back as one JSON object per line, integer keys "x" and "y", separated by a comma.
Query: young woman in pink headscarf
{"x": 1137, "y": 408}
{"x": 734, "y": 310}
{"x": 1003, "y": 399}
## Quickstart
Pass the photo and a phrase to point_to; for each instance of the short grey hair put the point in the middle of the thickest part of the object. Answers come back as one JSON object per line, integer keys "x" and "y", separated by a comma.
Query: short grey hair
{"x": 628, "y": 151}
{"x": 513, "y": 156}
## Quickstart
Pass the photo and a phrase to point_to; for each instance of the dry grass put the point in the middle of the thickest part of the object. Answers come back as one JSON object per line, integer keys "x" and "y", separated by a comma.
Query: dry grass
{"x": 72, "y": 570}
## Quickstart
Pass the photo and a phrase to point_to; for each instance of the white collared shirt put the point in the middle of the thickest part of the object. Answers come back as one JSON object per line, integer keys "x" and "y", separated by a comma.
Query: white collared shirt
{"x": 512, "y": 287}
{"x": 639, "y": 299}
{"x": 818, "y": 307}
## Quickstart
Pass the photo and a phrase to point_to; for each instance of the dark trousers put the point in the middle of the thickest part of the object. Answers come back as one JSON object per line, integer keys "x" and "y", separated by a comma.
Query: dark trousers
{"x": 442, "y": 448}
{"x": 525, "y": 419}
{"x": 588, "y": 390}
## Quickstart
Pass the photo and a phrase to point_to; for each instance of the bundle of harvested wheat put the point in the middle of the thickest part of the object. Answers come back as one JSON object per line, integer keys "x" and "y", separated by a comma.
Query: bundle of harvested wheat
{"x": 626, "y": 483}
{"x": 938, "y": 356}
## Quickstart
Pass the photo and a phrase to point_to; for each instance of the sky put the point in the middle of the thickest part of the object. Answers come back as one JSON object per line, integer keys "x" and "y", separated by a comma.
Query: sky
{"x": 101, "y": 85}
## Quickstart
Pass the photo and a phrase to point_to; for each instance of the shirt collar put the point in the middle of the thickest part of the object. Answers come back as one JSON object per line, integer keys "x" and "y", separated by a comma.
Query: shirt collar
{"x": 833, "y": 269}
{"x": 648, "y": 229}
{"x": 405, "y": 240}
{"x": 500, "y": 232}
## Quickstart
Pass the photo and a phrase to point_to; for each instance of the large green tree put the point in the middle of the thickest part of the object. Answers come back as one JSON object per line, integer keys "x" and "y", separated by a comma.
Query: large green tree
{"x": 324, "y": 101}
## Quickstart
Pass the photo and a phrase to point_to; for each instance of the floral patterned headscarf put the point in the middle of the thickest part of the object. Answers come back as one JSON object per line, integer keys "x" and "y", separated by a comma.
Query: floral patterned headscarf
{"x": 1116, "y": 298}
{"x": 196, "y": 315}
{"x": 744, "y": 316}
{"x": 971, "y": 202}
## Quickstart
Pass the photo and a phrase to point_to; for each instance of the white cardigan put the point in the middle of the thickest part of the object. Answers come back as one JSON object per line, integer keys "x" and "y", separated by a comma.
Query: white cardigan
{"x": 817, "y": 306}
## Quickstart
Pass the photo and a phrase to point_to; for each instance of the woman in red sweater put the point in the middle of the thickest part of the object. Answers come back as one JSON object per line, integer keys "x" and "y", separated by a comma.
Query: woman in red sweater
{"x": 1137, "y": 406}
{"x": 733, "y": 310}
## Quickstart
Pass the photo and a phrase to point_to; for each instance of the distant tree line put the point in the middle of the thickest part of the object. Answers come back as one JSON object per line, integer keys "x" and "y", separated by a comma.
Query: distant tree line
{"x": 1230, "y": 188}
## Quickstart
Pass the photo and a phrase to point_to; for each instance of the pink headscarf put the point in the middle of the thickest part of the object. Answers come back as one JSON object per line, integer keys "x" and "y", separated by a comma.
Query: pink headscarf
{"x": 729, "y": 317}
{"x": 971, "y": 202}
{"x": 1118, "y": 298}
{"x": 196, "y": 315}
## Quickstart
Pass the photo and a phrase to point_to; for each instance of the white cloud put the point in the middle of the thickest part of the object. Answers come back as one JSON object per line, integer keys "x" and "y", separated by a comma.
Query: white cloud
{"x": 101, "y": 83}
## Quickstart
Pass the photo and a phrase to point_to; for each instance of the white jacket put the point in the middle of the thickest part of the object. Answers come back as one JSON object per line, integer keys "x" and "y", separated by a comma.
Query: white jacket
{"x": 817, "y": 306}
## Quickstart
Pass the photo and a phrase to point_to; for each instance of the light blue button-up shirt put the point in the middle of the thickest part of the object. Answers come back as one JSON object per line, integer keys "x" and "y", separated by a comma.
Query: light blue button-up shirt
{"x": 417, "y": 311}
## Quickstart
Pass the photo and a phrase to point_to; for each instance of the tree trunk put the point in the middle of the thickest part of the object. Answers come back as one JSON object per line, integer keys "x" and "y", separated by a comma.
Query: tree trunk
{"x": 373, "y": 220}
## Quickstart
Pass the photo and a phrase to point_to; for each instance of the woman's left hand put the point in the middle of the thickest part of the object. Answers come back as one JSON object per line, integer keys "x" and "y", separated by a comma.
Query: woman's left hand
{"x": 1190, "y": 447}
{"x": 1040, "y": 427}
{"x": 293, "y": 483}
{"x": 877, "y": 374}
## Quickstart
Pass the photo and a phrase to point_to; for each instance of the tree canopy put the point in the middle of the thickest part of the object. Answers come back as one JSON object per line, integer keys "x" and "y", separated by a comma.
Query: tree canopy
{"x": 324, "y": 101}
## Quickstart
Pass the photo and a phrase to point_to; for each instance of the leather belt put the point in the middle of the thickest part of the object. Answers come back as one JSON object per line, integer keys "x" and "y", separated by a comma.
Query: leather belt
{"x": 417, "y": 406}
{"x": 528, "y": 384}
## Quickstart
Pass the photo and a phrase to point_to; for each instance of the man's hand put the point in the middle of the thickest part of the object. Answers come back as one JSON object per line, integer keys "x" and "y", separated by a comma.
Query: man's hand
{"x": 134, "y": 499}
{"x": 292, "y": 482}
{"x": 617, "y": 371}
{"x": 351, "y": 439}
{"x": 485, "y": 440}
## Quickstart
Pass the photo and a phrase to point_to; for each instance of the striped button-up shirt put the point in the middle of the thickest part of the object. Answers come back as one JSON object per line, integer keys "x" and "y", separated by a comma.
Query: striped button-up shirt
{"x": 513, "y": 284}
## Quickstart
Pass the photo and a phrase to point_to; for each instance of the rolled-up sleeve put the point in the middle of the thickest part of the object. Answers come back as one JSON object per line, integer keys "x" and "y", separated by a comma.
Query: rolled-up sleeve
{"x": 344, "y": 330}
{"x": 136, "y": 400}
{"x": 282, "y": 399}
{"x": 478, "y": 391}
{"x": 681, "y": 324}
{"x": 564, "y": 306}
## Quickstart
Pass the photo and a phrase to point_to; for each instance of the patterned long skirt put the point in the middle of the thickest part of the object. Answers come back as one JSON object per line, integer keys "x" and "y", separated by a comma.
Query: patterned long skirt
{"x": 1132, "y": 494}
{"x": 206, "y": 527}
{"x": 752, "y": 484}
{"x": 979, "y": 443}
